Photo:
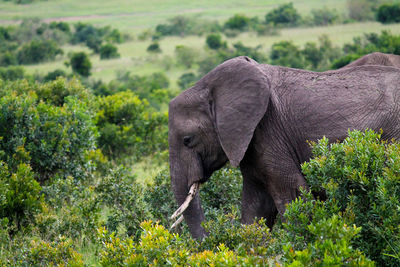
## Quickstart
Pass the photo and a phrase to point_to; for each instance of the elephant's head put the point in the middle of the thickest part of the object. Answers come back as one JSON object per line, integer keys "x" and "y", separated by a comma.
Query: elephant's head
{"x": 211, "y": 123}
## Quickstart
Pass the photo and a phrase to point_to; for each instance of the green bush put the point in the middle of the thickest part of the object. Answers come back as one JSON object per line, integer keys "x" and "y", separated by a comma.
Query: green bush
{"x": 314, "y": 235}
{"x": 287, "y": 54}
{"x": 53, "y": 140}
{"x": 144, "y": 86}
{"x": 214, "y": 41}
{"x": 186, "y": 80}
{"x": 285, "y": 14}
{"x": 12, "y": 73}
{"x": 38, "y": 51}
{"x": 8, "y": 58}
{"x": 56, "y": 253}
{"x": 324, "y": 16}
{"x": 80, "y": 63}
{"x": 388, "y": 13}
{"x": 108, "y": 51}
{"x": 120, "y": 192}
{"x": 237, "y": 22}
{"x": 20, "y": 197}
{"x": 361, "y": 176}
{"x": 154, "y": 48}
{"x": 128, "y": 126}
{"x": 53, "y": 75}
{"x": 343, "y": 61}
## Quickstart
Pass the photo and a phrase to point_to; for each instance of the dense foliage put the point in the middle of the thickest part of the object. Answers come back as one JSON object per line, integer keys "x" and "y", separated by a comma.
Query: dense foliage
{"x": 71, "y": 155}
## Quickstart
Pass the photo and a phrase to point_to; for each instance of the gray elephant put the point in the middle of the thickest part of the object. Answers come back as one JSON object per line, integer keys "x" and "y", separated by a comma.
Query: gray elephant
{"x": 376, "y": 58}
{"x": 260, "y": 117}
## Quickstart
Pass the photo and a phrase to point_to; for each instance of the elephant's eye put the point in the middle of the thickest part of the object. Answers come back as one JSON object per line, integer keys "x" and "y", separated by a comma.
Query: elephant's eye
{"x": 187, "y": 140}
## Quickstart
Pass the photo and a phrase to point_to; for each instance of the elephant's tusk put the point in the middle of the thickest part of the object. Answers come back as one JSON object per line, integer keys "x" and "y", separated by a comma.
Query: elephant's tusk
{"x": 180, "y": 219}
{"x": 192, "y": 192}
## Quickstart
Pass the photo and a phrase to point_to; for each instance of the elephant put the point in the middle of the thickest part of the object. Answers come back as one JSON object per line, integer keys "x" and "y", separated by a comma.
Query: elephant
{"x": 376, "y": 58}
{"x": 261, "y": 117}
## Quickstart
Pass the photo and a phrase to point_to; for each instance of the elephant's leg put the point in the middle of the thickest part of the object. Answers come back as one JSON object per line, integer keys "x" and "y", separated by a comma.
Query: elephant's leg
{"x": 256, "y": 201}
{"x": 284, "y": 184}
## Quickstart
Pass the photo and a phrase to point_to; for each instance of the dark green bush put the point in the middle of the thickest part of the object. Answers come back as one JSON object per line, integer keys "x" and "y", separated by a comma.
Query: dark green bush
{"x": 287, "y": 54}
{"x": 53, "y": 75}
{"x": 285, "y": 14}
{"x": 214, "y": 41}
{"x": 237, "y": 22}
{"x": 154, "y": 48}
{"x": 186, "y": 80}
{"x": 361, "y": 176}
{"x": 388, "y": 13}
{"x": 38, "y": 51}
{"x": 343, "y": 61}
{"x": 108, "y": 51}
{"x": 53, "y": 140}
{"x": 12, "y": 73}
{"x": 8, "y": 58}
{"x": 80, "y": 63}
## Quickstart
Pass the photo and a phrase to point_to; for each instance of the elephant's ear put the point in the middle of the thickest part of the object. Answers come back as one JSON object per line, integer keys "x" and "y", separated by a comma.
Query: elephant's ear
{"x": 240, "y": 96}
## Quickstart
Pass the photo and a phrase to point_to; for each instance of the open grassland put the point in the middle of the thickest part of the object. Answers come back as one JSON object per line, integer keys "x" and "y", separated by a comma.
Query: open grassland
{"x": 136, "y": 59}
{"x": 135, "y": 15}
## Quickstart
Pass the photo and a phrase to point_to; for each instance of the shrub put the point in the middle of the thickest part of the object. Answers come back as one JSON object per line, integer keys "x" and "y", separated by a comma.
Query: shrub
{"x": 62, "y": 26}
{"x": 324, "y": 16}
{"x": 343, "y": 61}
{"x": 38, "y": 51}
{"x": 80, "y": 63}
{"x": 388, "y": 13}
{"x": 8, "y": 58}
{"x": 284, "y": 14}
{"x": 128, "y": 126}
{"x": 56, "y": 253}
{"x": 124, "y": 196}
{"x": 214, "y": 41}
{"x": 312, "y": 235}
{"x": 360, "y": 176}
{"x": 11, "y": 73}
{"x": 53, "y": 140}
{"x": 159, "y": 198}
{"x": 285, "y": 53}
{"x": 108, "y": 51}
{"x": 20, "y": 197}
{"x": 186, "y": 80}
{"x": 154, "y": 48}
{"x": 237, "y": 22}
{"x": 53, "y": 75}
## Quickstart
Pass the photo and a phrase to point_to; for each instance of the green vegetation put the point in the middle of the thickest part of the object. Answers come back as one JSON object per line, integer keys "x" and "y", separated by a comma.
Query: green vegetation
{"x": 83, "y": 150}
{"x": 388, "y": 13}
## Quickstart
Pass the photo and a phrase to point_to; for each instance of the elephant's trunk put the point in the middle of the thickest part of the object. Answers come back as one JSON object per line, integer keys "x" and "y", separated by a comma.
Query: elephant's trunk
{"x": 181, "y": 183}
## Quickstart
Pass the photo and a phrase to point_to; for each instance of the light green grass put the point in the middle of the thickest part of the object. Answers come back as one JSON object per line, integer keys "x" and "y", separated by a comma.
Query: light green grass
{"x": 137, "y": 60}
{"x": 135, "y": 15}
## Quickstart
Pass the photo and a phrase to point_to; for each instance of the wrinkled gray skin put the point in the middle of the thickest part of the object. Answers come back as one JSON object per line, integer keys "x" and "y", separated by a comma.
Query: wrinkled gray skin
{"x": 376, "y": 58}
{"x": 260, "y": 117}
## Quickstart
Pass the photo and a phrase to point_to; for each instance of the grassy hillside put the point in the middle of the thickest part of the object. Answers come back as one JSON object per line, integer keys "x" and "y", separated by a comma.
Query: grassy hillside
{"x": 136, "y": 14}
{"x": 133, "y": 17}
{"x": 134, "y": 57}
